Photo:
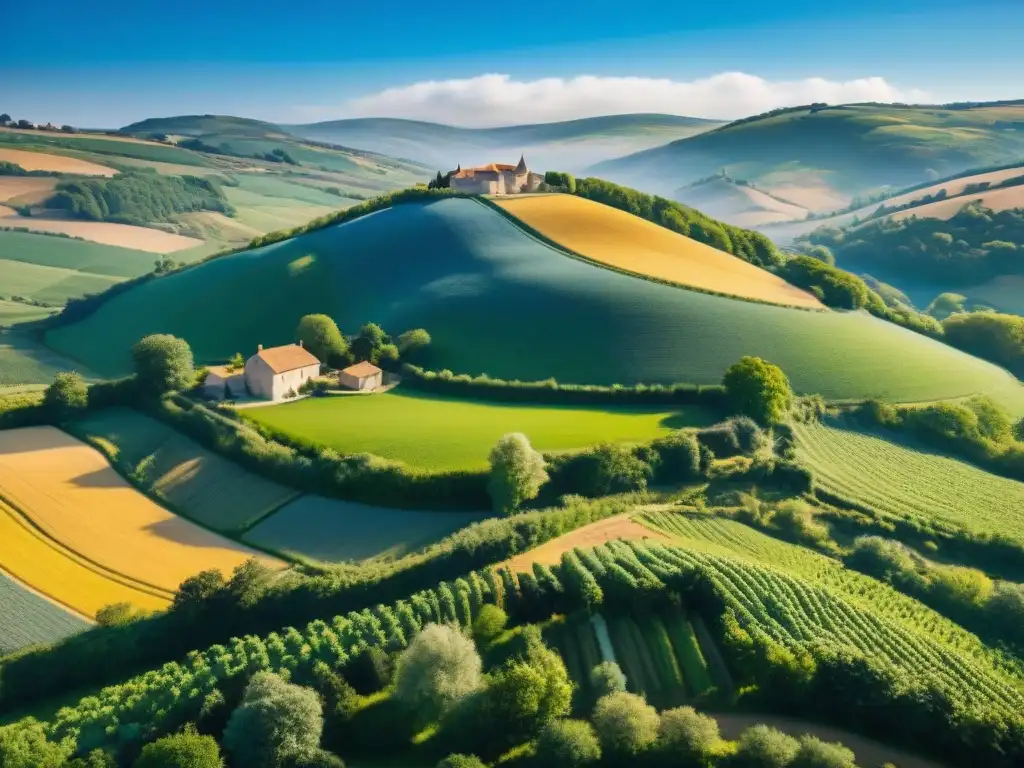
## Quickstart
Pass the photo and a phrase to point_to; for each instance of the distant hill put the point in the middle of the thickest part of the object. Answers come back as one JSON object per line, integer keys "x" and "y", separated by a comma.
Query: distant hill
{"x": 737, "y": 202}
{"x": 588, "y": 324}
{"x": 569, "y": 145}
{"x": 821, "y": 157}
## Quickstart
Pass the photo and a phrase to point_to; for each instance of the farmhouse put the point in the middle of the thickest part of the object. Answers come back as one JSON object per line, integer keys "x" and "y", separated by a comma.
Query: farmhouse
{"x": 361, "y": 376}
{"x": 223, "y": 381}
{"x": 273, "y": 373}
{"x": 496, "y": 179}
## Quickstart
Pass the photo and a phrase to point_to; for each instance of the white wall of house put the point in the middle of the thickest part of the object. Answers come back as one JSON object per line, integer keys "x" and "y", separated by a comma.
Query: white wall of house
{"x": 364, "y": 383}
{"x": 259, "y": 377}
{"x": 292, "y": 380}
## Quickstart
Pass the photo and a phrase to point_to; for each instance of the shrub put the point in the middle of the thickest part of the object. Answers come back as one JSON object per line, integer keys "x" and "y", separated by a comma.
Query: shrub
{"x": 678, "y": 458}
{"x": 163, "y": 364}
{"x": 625, "y": 723}
{"x": 735, "y": 436}
{"x": 517, "y": 472}
{"x": 440, "y": 666}
{"x": 25, "y": 746}
{"x": 490, "y": 622}
{"x": 815, "y": 753}
{"x": 835, "y": 287}
{"x": 320, "y": 758}
{"x": 611, "y": 468}
{"x": 461, "y": 761}
{"x": 758, "y": 389}
{"x": 763, "y": 747}
{"x": 276, "y": 721}
{"x": 567, "y": 744}
{"x": 686, "y": 736}
{"x": 412, "y": 340}
{"x": 67, "y": 395}
{"x": 606, "y": 678}
{"x": 181, "y": 750}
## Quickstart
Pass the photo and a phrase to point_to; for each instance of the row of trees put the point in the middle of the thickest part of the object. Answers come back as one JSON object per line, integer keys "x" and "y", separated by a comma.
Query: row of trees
{"x": 139, "y": 198}
{"x": 322, "y": 337}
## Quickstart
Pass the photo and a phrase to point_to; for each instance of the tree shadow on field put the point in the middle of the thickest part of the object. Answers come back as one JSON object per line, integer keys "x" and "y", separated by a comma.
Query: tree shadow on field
{"x": 101, "y": 478}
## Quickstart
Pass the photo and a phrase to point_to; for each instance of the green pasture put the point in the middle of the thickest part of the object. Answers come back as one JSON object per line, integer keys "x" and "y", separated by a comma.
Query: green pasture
{"x": 333, "y": 531}
{"x": 97, "y": 149}
{"x": 69, "y": 253}
{"x": 14, "y": 312}
{"x": 24, "y": 361}
{"x": 28, "y": 619}
{"x": 910, "y": 482}
{"x": 439, "y": 433}
{"x": 52, "y": 285}
{"x": 496, "y": 301}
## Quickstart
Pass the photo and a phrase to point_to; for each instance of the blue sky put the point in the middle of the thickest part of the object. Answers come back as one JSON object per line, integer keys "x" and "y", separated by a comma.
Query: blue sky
{"x": 328, "y": 59}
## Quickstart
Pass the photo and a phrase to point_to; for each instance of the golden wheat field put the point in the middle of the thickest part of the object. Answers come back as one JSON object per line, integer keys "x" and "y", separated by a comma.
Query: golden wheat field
{"x": 65, "y": 578}
{"x": 103, "y": 232}
{"x": 997, "y": 199}
{"x": 619, "y": 239}
{"x": 41, "y": 161}
{"x": 70, "y": 493}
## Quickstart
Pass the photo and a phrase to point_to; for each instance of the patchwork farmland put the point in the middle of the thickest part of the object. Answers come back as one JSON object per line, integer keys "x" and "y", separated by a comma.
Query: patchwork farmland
{"x": 29, "y": 619}
{"x": 621, "y": 240}
{"x": 71, "y": 494}
{"x": 486, "y": 278}
{"x": 441, "y": 433}
{"x": 42, "y": 161}
{"x": 910, "y": 482}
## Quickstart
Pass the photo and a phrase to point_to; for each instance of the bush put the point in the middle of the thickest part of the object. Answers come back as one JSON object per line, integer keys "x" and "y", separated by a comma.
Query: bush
{"x": 611, "y": 468}
{"x": 276, "y": 721}
{"x": 993, "y": 336}
{"x": 685, "y": 736}
{"x": 763, "y": 747}
{"x": 678, "y": 458}
{"x": 320, "y": 758}
{"x": 815, "y": 753}
{"x": 625, "y": 723}
{"x": 490, "y": 622}
{"x": 567, "y": 744}
{"x": 412, "y": 340}
{"x": 461, "y": 761}
{"x": 163, "y": 364}
{"x": 517, "y": 473}
{"x": 758, "y": 389}
{"x": 607, "y": 678}
{"x": 440, "y": 666}
{"x": 66, "y": 396}
{"x": 25, "y": 746}
{"x": 736, "y": 436}
{"x": 182, "y": 750}
{"x": 835, "y": 287}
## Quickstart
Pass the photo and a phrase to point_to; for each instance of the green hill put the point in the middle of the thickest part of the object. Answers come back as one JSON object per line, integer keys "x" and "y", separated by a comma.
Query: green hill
{"x": 570, "y": 145}
{"x": 498, "y": 301}
{"x": 818, "y": 156}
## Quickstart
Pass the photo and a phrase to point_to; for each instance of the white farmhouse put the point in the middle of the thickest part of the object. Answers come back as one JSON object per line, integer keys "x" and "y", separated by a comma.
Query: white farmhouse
{"x": 272, "y": 373}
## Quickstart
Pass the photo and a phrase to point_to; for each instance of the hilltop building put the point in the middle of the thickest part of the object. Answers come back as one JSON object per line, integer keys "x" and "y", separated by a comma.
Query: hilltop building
{"x": 496, "y": 179}
{"x": 270, "y": 373}
{"x": 361, "y": 376}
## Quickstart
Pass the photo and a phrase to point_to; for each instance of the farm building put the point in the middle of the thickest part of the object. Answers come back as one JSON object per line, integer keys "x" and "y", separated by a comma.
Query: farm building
{"x": 361, "y": 376}
{"x": 496, "y": 179}
{"x": 273, "y": 373}
{"x": 223, "y": 381}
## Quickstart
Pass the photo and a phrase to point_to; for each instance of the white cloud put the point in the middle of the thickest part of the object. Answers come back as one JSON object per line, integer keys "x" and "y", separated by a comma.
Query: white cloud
{"x": 496, "y": 99}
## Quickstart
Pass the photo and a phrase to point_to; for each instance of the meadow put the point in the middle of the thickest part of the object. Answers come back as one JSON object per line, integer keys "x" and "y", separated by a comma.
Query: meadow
{"x": 440, "y": 433}
{"x": 621, "y": 240}
{"x": 96, "y": 149}
{"x": 199, "y": 483}
{"x": 78, "y": 255}
{"x": 52, "y": 285}
{"x": 72, "y": 495}
{"x": 24, "y": 361}
{"x": 28, "y": 619}
{"x": 910, "y": 482}
{"x": 63, "y": 576}
{"x": 1003, "y": 199}
{"x": 334, "y": 531}
{"x": 14, "y": 312}
{"x": 42, "y": 161}
{"x": 488, "y": 288}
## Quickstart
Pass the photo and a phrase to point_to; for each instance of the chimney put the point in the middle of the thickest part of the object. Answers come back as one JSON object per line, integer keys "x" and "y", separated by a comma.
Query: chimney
{"x": 301, "y": 343}
{"x": 259, "y": 347}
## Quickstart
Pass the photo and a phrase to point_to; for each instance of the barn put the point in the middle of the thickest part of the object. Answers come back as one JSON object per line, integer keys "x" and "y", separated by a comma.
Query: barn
{"x": 361, "y": 376}
{"x": 274, "y": 373}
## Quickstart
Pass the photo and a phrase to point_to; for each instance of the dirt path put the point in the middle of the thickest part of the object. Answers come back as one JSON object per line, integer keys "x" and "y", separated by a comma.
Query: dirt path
{"x": 619, "y": 527}
{"x": 870, "y": 753}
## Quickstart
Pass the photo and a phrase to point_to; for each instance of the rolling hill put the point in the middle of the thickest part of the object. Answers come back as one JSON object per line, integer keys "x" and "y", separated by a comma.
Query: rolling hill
{"x": 821, "y": 157}
{"x": 569, "y": 145}
{"x": 738, "y": 203}
{"x": 483, "y": 288}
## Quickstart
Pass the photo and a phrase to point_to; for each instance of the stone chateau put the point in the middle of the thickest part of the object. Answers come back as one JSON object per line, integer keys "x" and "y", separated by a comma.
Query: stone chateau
{"x": 496, "y": 179}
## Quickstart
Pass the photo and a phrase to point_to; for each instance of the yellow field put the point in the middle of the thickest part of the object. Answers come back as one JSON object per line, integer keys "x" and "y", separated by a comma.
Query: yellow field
{"x": 953, "y": 188}
{"x": 624, "y": 241}
{"x": 23, "y": 190}
{"x": 71, "y": 494}
{"x": 62, "y": 576}
{"x": 997, "y": 199}
{"x": 104, "y": 232}
{"x": 40, "y": 161}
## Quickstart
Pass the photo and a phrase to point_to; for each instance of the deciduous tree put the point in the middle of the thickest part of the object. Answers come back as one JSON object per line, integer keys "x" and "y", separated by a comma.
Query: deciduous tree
{"x": 163, "y": 363}
{"x": 320, "y": 335}
{"x": 758, "y": 389}
{"x": 440, "y": 666}
{"x": 517, "y": 472}
{"x": 276, "y": 721}
{"x": 67, "y": 395}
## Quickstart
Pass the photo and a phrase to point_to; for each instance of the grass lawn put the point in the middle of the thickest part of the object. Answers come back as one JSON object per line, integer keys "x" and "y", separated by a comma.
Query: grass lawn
{"x": 439, "y": 433}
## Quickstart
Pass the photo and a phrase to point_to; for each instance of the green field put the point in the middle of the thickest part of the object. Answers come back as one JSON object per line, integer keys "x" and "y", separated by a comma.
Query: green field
{"x": 14, "y": 312}
{"x": 71, "y": 254}
{"x": 25, "y": 361}
{"x": 333, "y": 531}
{"x": 494, "y": 300}
{"x": 203, "y": 485}
{"x": 438, "y": 433}
{"x": 914, "y": 484}
{"x": 98, "y": 150}
{"x": 52, "y": 285}
{"x": 27, "y": 619}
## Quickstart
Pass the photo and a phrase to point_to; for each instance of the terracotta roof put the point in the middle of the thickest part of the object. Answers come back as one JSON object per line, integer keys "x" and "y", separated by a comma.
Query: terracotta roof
{"x": 286, "y": 358}
{"x": 462, "y": 173}
{"x": 362, "y": 370}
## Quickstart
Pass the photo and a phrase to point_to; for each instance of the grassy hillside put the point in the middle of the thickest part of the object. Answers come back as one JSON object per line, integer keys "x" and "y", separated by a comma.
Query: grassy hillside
{"x": 497, "y": 301}
{"x": 737, "y": 203}
{"x": 818, "y": 157}
{"x": 571, "y": 145}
